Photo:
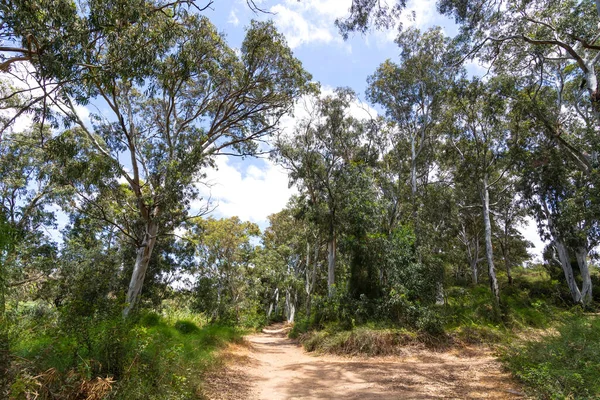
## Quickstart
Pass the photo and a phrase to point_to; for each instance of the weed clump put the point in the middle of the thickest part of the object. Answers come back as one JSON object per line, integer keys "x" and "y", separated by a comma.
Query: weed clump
{"x": 186, "y": 327}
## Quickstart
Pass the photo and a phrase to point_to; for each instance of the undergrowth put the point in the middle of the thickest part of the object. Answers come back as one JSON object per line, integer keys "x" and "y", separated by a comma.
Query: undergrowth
{"x": 562, "y": 366}
{"x": 151, "y": 358}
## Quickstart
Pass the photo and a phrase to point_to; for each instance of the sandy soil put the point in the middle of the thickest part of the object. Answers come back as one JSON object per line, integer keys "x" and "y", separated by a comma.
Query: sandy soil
{"x": 272, "y": 367}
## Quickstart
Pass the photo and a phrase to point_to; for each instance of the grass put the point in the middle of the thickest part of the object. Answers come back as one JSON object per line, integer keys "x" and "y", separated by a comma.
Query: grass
{"x": 361, "y": 340}
{"x": 155, "y": 358}
{"x": 562, "y": 366}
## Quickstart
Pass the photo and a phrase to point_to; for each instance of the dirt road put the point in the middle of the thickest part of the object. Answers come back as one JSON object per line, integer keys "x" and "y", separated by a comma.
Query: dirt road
{"x": 274, "y": 367}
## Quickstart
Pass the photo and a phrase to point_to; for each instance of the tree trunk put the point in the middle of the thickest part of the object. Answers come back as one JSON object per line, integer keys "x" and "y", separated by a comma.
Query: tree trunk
{"x": 504, "y": 246}
{"x": 508, "y": 273}
{"x": 564, "y": 258}
{"x": 144, "y": 252}
{"x": 565, "y": 262}
{"x": 413, "y": 187}
{"x": 4, "y": 345}
{"x": 311, "y": 278}
{"x": 489, "y": 251}
{"x": 290, "y": 306}
{"x": 586, "y": 287}
{"x": 273, "y": 304}
{"x": 474, "y": 278}
{"x": 331, "y": 264}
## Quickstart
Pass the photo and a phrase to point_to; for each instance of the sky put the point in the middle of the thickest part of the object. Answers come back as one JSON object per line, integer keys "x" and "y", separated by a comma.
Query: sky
{"x": 255, "y": 188}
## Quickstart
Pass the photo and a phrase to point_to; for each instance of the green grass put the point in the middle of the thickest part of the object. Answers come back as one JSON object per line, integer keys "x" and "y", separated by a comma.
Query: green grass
{"x": 563, "y": 366}
{"x": 156, "y": 358}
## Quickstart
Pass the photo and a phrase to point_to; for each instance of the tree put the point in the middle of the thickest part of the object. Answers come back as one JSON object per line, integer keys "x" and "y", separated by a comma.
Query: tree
{"x": 480, "y": 138}
{"x": 562, "y": 200}
{"x": 225, "y": 254}
{"x": 199, "y": 100}
{"x": 286, "y": 257}
{"x": 318, "y": 156}
{"x": 412, "y": 95}
{"x": 541, "y": 42}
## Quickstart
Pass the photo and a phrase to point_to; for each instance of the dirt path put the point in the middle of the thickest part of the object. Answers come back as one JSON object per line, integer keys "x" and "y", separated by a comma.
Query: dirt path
{"x": 274, "y": 367}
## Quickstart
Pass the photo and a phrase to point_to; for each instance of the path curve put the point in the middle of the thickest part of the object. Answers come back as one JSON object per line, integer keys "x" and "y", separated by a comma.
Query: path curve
{"x": 274, "y": 367}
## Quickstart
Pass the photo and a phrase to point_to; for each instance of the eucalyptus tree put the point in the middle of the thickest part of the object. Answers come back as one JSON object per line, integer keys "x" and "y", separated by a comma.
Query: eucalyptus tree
{"x": 27, "y": 191}
{"x": 563, "y": 201}
{"x": 169, "y": 116}
{"x": 544, "y": 29}
{"x": 225, "y": 256}
{"x": 318, "y": 156}
{"x": 286, "y": 255}
{"x": 510, "y": 214}
{"x": 480, "y": 138}
{"x": 545, "y": 43}
{"x": 412, "y": 94}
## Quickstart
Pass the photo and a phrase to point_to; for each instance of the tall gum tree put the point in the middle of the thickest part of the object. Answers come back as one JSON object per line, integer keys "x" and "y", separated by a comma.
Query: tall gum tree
{"x": 168, "y": 117}
{"x": 317, "y": 157}
{"x": 412, "y": 94}
{"x": 480, "y": 138}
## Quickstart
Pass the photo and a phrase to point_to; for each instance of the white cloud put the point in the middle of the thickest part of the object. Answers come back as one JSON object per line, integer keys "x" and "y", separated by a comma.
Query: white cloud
{"x": 233, "y": 18}
{"x": 310, "y": 21}
{"x": 251, "y": 192}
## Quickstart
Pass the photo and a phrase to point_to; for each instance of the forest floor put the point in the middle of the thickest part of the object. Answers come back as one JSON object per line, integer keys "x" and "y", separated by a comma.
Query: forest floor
{"x": 271, "y": 366}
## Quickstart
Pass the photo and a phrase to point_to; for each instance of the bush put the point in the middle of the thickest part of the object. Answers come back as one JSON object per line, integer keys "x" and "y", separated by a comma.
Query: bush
{"x": 151, "y": 359}
{"x": 150, "y": 319}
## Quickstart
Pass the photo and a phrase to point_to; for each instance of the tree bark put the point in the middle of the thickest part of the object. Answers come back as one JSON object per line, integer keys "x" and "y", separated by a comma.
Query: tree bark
{"x": 489, "y": 251}
{"x": 331, "y": 250}
{"x": 290, "y": 306}
{"x": 586, "y": 286}
{"x": 474, "y": 278}
{"x": 144, "y": 252}
{"x": 312, "y": 279}
{"x": 4, "y": 345}
{"x": 565, "y": 262}
{"x": 564, "y": 258}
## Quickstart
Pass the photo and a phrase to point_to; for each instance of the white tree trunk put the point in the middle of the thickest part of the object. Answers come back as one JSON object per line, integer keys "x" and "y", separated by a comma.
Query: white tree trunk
{"x": 331, "y": 249}
{"x": 586, "y": 287}
{"x": 564, "y": 259}
{"x": 273, "y": 303}
{"x": 489, "y": 251}
{"x": 290, "y": 306}
{"x": 474, "y": 278}
{"x": 565, "y": 262}
{"x": 144, "y": 252}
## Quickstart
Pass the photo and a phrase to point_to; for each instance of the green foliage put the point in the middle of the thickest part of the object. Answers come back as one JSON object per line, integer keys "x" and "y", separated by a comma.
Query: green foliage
{"x": 562, "y": 366}
{"x": 150, "y": 319}
{"x": 186, "y": 327}
{"x": 149, "y": 360}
